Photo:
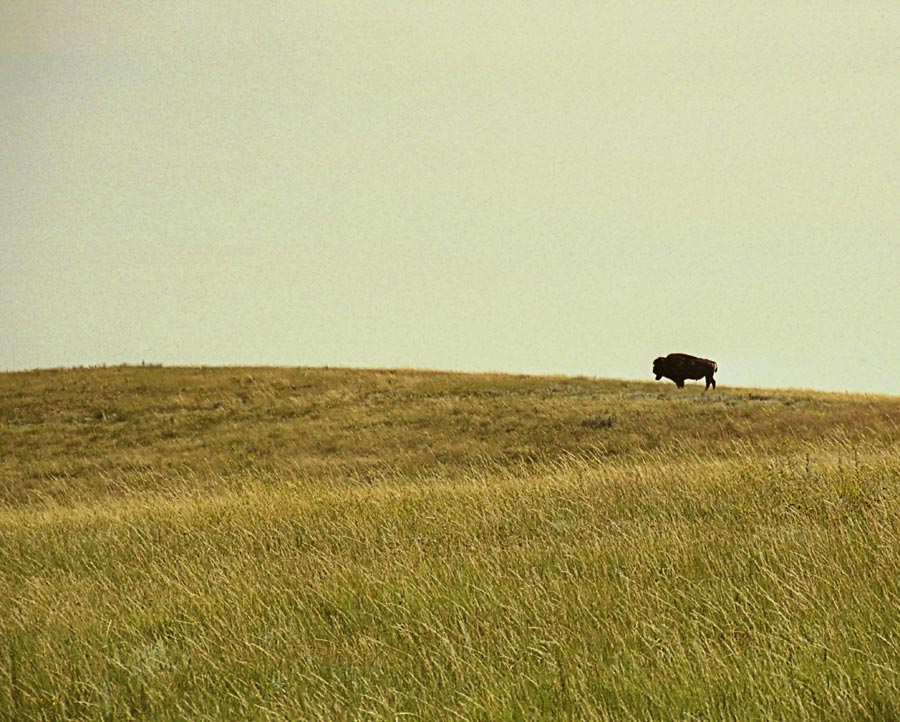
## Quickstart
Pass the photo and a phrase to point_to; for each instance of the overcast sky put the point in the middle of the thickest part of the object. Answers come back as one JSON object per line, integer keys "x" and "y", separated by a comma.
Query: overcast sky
{"x": 539, "y": 187}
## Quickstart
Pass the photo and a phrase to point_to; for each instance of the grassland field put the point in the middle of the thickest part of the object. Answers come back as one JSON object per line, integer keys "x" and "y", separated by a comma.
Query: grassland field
{"x": 335, "y": 544}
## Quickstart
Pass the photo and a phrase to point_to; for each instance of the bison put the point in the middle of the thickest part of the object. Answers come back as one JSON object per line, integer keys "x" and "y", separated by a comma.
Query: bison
{"x": 681, "y": 366}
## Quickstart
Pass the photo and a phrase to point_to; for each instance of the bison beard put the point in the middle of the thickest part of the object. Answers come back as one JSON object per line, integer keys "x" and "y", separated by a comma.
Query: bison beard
{"x": 681, "y": 366}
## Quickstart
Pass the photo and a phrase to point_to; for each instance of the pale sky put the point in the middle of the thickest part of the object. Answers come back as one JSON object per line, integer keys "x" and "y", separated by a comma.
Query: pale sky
{"x": 537, "y": 187}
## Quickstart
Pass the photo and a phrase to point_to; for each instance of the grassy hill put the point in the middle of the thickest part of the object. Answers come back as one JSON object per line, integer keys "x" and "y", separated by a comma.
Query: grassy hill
{"x": 214, "y": 543}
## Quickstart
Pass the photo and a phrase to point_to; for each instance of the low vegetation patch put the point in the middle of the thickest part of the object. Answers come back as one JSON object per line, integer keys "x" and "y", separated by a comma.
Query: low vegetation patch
{"x": 599, "y": 421}
{"x": 346, "y": 545}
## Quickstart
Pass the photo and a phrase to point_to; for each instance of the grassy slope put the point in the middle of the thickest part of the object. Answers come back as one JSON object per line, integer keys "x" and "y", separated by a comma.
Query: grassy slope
{"x": 334, "y": 544}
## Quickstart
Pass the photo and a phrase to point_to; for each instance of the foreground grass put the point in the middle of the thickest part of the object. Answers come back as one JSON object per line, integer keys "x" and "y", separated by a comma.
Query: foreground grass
{"x": 511, "y": 548}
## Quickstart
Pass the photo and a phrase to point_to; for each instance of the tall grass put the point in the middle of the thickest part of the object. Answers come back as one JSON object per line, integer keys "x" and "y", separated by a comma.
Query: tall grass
{"x": 436, "y": 546}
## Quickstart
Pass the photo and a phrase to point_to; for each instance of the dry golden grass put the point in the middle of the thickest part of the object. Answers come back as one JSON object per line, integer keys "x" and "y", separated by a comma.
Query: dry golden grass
{"x": 336, "y": 544}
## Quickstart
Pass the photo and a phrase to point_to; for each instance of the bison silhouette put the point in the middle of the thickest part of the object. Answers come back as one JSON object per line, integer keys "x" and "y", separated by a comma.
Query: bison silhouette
{"x": 681, "y": 366}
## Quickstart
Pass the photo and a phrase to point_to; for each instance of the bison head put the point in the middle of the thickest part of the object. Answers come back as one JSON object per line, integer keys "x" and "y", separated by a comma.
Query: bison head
{"x": 658, "y": 364}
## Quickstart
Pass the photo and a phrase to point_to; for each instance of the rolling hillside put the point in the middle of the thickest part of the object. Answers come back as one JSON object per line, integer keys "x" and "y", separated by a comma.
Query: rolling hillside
{"x": 267, "y": 543}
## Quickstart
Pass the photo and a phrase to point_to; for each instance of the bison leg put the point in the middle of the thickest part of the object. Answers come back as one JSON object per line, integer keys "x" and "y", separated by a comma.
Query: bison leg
{"x": 710, "y": 380}
{"x": 679, "y": 383}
